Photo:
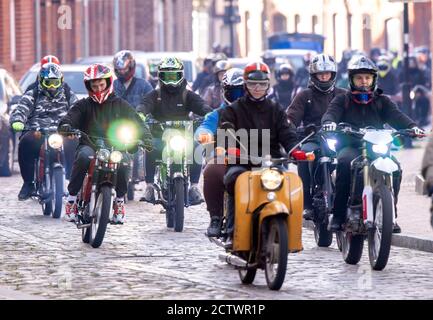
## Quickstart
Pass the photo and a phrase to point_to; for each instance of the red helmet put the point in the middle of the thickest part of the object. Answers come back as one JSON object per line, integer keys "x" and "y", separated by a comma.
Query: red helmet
{"x": 50, "y": 59}
{"x": 99, "y": 71}
{"x": 257, "y": 71}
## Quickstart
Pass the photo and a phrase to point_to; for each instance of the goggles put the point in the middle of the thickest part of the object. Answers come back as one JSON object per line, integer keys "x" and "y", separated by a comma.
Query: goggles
{"x": 172, "y": 77}
{"x": 261, "y": 85}
{"x": 51, "y": 83}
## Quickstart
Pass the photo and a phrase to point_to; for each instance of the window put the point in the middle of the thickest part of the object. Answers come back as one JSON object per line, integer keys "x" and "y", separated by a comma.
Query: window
{"x": 314, "y": 24}
{"x": 297, "y": 22}
{"x": 366, "y": 31}
{"x": 279, "y": 23}
{"x": 393, "y": 32}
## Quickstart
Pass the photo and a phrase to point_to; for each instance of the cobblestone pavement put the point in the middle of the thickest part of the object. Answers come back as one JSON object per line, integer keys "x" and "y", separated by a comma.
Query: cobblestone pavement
{"x": 144, "y": 260}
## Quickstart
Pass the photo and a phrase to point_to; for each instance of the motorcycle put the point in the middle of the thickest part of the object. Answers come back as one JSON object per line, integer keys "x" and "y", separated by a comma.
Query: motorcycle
{"x": 172, "y": 172}
{"x": 49, "y": 175}
{"x": 323, "y": 182}
{"x": 267, "y": 222}
{"x": 372, "y": 215}
{"x": 96, "y": 196}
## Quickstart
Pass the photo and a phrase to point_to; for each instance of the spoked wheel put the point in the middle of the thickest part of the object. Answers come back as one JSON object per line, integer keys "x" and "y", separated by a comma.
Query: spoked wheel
{"x": 276, "y": 253}
{"x": 85, "y": 232}
{"x": 179, "y": 205}
{"x": 380, "y": 236}
{"x": 58, "y": 188}
{"x": 351, "y": 247}
{"x": 46, "y": 193}
{"x": 101, "y": 216}
{"x": 247, "y": 275}
{"x": 322, "y": 236}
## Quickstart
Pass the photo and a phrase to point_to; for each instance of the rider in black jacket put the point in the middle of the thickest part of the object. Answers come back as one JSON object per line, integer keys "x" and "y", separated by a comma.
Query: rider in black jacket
{"x": 308, "y": 108}
{"x": 97, "y": 117}
{"x": 171, "y": 101}
{"x": 363, "y": 106}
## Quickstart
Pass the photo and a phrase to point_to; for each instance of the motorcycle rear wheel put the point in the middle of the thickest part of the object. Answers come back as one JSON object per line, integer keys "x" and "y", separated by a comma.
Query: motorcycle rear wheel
{"x": 352, "y": 246}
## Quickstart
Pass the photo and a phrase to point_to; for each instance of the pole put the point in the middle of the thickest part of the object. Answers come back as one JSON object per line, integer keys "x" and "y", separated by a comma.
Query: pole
{"x": 407, "y": 103}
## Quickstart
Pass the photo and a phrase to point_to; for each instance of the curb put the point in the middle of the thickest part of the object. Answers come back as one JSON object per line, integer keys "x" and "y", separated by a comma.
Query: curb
{"x": 398, "y": 240}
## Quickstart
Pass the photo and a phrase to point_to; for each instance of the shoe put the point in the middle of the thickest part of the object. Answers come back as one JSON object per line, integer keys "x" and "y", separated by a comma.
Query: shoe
{"x": 26, "y": 191}
{"x": 195, "y": 196}
{"x": 308, "y": 214}
{"x": 335, "y": 224}
{"x": 229, "y": 243}
{"x": 396, "y": 228}
{"x": 214, "y": 228}
{"x": 149, "y": 194}
{"x": 71, "y": 212}
{"x": 119, "y": 213}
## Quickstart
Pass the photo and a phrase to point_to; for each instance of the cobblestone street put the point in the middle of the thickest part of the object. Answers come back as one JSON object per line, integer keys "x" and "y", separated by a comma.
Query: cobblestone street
{"x": 144, "y": 260}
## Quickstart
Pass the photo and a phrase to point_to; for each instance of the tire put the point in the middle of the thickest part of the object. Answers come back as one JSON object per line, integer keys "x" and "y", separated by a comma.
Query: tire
{"x": 47, "y": 205}
{"x": 131, "y": 191}
{"x": 179, "y": 196}
{"x": 247, "y": 276}
{"x": 351, "y": 247}
{"x": 101, "y": 216}
{"x": 85, "y": 232}
{"x": 276, "y": 253}
{"x": 322, "y": 235}
{"x": 379, "y": 238}
{"x": 58, "y": 185}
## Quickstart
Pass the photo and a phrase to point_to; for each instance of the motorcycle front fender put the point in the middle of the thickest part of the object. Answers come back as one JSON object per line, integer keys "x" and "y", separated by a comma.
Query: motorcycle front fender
{"x": 385, "y": 165}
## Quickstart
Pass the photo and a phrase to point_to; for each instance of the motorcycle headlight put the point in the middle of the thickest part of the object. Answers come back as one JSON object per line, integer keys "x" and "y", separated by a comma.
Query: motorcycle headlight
{"x": 271, "y": 179}
{"x": 380, "y": 148}
{"x": 104, "y": 155}
{"x": 332, "y": 143}
{"x": 177, "y": 143}
{"x": 116, "y": 156}
{"x": 55, "y": 141}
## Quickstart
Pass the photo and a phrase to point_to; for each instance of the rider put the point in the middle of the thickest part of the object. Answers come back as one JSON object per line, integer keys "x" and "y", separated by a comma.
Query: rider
{"x": 95, "y": 117}
{"x": 171, "y": 101}
{"x": 256, "y": 113}
{"x": 213, "y": 173}
{"x": 212, "y": 94}
{"x": 130, "y": 88}
{"x": 363, "y": 106}
{"x": 308, "y": 108}
{"x": 284, "y": 90}
{"x": 42, "y": 107}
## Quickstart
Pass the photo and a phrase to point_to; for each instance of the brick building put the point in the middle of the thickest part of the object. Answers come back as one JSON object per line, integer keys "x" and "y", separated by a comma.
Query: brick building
{"x": 30, "y": 29}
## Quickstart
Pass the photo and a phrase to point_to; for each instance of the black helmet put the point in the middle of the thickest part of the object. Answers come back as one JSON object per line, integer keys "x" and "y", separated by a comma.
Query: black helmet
{"x": 361, "y": 64}
{"x": 285, "y": 68}
{"x": 323, "y": 63}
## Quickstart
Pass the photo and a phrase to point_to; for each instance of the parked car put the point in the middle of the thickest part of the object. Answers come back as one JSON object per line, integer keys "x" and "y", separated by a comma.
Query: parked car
{"x": 141, "y": 69}
{"x": 73, "y": 75}
{"x": 9, "y": 92}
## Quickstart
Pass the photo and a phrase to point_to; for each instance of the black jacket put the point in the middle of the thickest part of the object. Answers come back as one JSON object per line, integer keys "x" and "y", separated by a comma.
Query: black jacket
{"x": 248, "y": 114}
{"x": 173, "y": 105}
{"x": 100, "y": 120}
{"x": 310, "y": 105}
{"x": 379, "y": 111}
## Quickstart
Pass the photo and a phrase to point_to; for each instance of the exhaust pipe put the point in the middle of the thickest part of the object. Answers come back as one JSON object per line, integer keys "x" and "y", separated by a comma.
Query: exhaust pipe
{"x": 233, "y": 260}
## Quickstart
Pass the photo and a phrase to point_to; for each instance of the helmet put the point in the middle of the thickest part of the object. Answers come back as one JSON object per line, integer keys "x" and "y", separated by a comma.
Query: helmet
{"x": 50, "y": 77}
{"x": 233, "y": 85}
{"x": 284, "y": 68}
{"x": 383, "y": 66}
{"x": 323, "y": 63}
{"x": 222, "y": 65}
{"x": 95, "y": 72}
{"x": 50, "y": 59}
{"x": 170, "y": 71}
{"x": 259, "y": 73}
{"x": 124, "y": 65}
{"x": 357, "y": 65}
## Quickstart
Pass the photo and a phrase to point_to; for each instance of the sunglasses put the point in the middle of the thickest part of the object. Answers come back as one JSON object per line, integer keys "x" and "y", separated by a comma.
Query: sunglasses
{"x": 51, "y": 83}
{"x": 263, "y": 85}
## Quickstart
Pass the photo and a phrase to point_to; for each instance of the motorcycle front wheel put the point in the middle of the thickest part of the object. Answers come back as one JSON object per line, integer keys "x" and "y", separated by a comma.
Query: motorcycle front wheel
{"x": 276, "y": 253}
{"x": 179, "y": 204}
{"x": 58, "y": 189}
{"x": 322, "y": 235}
{"x": 101, "y": 216}
{"x": 380, "y": 236}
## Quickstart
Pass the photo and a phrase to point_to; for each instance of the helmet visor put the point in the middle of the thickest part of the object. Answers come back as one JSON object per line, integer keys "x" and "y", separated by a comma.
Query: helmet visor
{"x": 171, "y": 77}
{"x": 51, "y": 83}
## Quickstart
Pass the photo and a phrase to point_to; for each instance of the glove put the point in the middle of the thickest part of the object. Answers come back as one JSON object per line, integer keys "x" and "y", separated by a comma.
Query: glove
{"x": 329, "y": 126}
{"x": 205, "y": 137}
{"x": 298, "y": 155}
{"x": 18, "y": 126}
{"x": 418, "y": 131}
{"x": 142, "y": 116}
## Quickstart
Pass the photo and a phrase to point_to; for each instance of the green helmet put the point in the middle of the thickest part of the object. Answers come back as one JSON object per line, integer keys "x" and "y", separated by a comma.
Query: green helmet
{"x": 170, "y": 71}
